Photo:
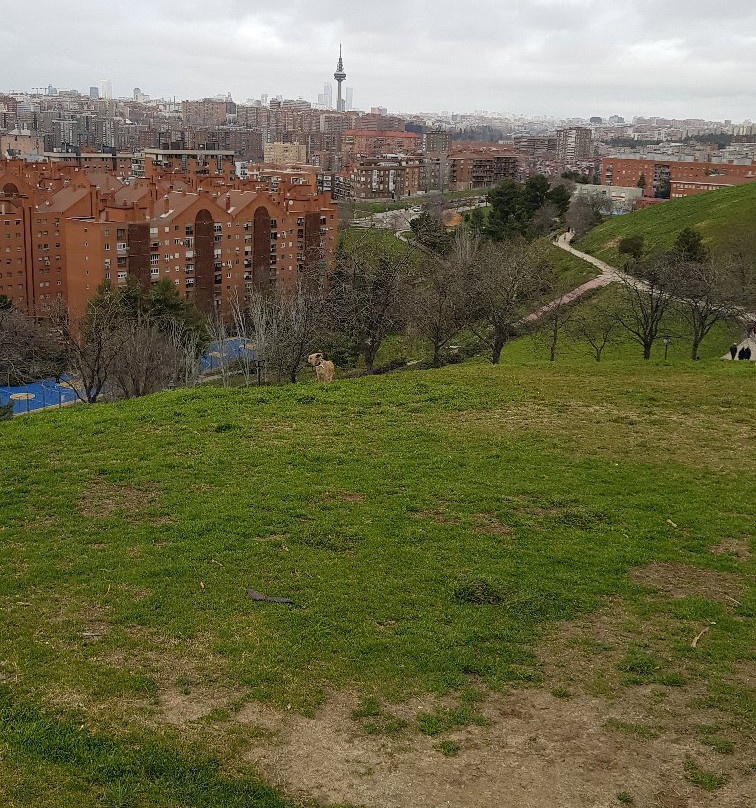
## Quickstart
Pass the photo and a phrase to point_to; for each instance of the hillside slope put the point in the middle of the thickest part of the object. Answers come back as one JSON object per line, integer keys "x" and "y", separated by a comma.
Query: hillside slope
{"x": 716, "y": 215}
{"x": 442, "y": 535}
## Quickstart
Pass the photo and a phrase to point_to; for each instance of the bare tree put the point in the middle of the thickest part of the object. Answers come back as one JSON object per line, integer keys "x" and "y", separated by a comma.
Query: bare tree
{"x": 647, "y": 298}
{"x": 91, "y": 343}
{"x": 29, "y": 349}
{"x": 286, "y": 325}
{"x": 365, "y": 291}
{"x": 706, "y": 298}
{"x": 552, "y": 323}
{"x": 147, "y": 361}
{"x": 244, "y": 329}
{"x": 586, "y": 211}
{"x": 188, "y": 345}
{"x": 218, "y": 332}
{"x": 438, "y": 306}
{"x": 738, "y": 261}
{"x": 544, "y": 219}
{"x": 596, "y": 325}
{"x": 506, "y": 278}
{"x": 303, "y": 310}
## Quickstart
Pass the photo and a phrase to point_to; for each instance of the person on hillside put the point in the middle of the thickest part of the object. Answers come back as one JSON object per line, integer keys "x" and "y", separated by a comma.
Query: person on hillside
{"x": 733, "y": 350}
{"x": 747, "y": 353}
{"x": 741, "y": 354}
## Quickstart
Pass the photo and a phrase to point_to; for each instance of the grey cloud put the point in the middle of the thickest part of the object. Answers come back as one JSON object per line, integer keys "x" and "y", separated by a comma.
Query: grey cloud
{"x": 562, "y": 57}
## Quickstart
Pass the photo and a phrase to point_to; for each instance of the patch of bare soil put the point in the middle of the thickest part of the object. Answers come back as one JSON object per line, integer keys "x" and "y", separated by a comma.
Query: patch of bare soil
{"x": 582, "y": 658}
{"x": 733, "y": 547}
{"x": 490, "y": 525}
{"x": 346, "y": 496}
{"x": 439, "y": 516}
{"x": 103, "y": 499}
{"x": 179, "y": 707}
{"x": 681, "y": 580}
{"x": 538, "y": 751}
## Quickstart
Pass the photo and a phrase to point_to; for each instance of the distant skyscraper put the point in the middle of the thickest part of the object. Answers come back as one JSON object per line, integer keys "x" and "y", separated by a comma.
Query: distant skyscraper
{"x": 106, "y": 89}
{"x": 94, "y": 93}
{"x": 350, "y": 97}
{"x": 340, "y": 77}
{"x": 264, "y": 99}
{"x": 137, "y": 93}
{"x": 328, "y": 95}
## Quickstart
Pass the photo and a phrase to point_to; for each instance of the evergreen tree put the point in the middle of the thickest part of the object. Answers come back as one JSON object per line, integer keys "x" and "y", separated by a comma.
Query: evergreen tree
{"x": 689, "y": 246}
{"x": 560, "y": 196}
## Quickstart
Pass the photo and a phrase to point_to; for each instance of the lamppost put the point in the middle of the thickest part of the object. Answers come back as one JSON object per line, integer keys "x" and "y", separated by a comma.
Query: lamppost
{"x": 666, "y": 341}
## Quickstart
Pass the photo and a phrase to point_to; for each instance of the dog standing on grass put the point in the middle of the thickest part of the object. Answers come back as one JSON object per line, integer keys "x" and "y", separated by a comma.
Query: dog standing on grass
{"x": 323, "y": 367}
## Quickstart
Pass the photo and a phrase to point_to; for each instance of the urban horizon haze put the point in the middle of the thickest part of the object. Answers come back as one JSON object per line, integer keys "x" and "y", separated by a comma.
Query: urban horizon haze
{"x": 556, "y": 58}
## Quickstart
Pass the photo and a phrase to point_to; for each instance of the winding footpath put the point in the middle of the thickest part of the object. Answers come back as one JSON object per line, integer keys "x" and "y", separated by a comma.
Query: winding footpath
{"x": 609, "y": 274}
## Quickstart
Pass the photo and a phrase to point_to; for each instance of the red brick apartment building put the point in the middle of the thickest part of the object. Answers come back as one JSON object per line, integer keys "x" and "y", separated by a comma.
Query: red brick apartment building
{"x": 684, "y": 178}
{"x": 357, "y": 143}
{"x": 481, "y": 166}
{"x": 65, "y": 230}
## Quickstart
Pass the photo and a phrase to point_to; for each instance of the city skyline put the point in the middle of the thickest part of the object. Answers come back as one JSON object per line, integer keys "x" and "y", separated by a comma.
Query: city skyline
{"x": 553, "y": 57}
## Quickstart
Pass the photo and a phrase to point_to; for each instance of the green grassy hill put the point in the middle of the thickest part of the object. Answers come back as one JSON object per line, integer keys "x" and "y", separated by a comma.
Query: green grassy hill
{"x": 431, "y": 527}
{"x": 716, "y": 215}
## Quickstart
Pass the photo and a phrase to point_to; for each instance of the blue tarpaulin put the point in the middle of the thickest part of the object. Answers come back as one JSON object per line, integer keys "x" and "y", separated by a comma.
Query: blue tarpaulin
{"x": 233, "y": 349}
{"x": 37, "y": 395}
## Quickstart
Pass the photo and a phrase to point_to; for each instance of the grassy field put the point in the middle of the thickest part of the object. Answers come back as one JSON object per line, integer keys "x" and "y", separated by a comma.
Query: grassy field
{"x": 435, "y": 530}
{"x": 716, "y": 215}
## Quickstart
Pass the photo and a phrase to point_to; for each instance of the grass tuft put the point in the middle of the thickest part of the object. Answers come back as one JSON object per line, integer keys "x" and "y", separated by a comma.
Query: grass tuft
{"x": 709, "y": 781}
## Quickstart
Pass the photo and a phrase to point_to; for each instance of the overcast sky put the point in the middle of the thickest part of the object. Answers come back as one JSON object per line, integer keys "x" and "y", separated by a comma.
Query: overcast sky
{"x": 684, "y": 58}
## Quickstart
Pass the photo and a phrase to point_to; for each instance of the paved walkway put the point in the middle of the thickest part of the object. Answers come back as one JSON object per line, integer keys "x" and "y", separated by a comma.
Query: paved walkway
{"x": 609, "y": 274}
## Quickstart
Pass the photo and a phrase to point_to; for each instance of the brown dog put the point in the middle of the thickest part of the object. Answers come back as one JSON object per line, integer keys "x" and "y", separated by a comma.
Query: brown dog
{"x": 323, "y": 367}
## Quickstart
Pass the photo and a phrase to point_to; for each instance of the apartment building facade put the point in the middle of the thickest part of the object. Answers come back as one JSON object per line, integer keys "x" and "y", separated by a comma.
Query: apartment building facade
{"x": 60, "y": 240}
{"x": 285, "y": 154}
{"x": 573, "y": 144}
{"x": 664, "y": 177}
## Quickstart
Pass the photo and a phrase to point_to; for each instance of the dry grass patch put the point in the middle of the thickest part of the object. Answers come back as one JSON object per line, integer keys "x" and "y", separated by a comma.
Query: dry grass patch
{"x": 681, "y": 580}
{"x": 702, "y": 439}
{"x": 491, "y": 526}
{"x": 102, "y": 499}
{"x": 532, "y": 751}
{"x": 738, "y": 548}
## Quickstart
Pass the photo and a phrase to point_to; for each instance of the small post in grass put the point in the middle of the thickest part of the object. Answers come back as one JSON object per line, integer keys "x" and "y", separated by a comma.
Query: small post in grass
{"x": 666, "y": 341}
